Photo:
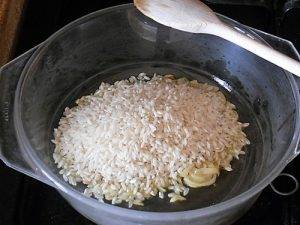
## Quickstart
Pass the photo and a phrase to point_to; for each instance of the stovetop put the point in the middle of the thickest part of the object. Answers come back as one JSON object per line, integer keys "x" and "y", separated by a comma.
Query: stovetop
{"x": 24, "y": 201}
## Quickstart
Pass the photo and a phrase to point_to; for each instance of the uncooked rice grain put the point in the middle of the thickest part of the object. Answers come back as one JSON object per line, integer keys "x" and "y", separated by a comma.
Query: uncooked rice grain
{"x": 144, "y": 137}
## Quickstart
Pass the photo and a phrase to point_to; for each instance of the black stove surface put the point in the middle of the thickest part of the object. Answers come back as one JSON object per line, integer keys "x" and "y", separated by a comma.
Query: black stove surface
{"x": 24, "y": 201}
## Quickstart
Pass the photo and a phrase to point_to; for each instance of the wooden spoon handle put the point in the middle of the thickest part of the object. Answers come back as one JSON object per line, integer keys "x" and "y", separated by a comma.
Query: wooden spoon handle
{"x": 257, "y": 48}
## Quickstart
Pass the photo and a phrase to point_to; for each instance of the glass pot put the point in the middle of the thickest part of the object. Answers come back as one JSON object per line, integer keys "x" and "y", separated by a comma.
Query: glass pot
{"x": 118, "y": 42}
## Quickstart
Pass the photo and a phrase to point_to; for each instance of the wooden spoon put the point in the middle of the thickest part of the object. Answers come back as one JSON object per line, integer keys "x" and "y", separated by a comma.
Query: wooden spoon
{"x": 195, "y": 17}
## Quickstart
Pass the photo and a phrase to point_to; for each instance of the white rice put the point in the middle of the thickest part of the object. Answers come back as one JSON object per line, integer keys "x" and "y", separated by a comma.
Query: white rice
{"x": 134, "y": 139}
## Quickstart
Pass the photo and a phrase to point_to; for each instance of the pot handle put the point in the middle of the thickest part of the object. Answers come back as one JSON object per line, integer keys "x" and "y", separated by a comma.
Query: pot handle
{"x": 286, "y": 193}
{"x": 23, "y": 167}
{"x": 10, "y": 152}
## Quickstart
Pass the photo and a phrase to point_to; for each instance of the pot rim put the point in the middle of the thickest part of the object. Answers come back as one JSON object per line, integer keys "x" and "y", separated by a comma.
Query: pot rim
{"x": 131, "y": 213}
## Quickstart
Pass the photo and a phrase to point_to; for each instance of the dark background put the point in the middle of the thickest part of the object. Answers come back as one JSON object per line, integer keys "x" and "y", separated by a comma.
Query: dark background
{"x": 26, "y": 201}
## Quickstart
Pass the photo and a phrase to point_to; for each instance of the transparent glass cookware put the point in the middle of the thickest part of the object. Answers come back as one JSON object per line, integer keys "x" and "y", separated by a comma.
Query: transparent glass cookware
{"x": 116, "y": 43}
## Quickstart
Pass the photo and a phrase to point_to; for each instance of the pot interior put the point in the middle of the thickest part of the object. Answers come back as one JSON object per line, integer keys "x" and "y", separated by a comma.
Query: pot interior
{"x": 119, "y": 42}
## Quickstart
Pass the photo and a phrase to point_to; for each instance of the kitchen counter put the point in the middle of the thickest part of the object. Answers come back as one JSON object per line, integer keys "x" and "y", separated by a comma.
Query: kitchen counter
{"x": 10, "y": 17}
